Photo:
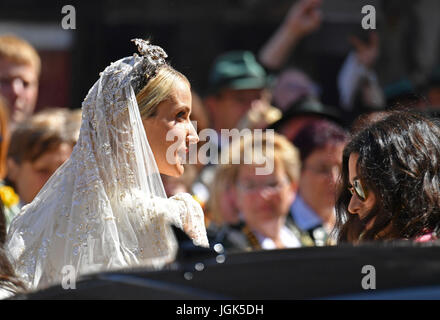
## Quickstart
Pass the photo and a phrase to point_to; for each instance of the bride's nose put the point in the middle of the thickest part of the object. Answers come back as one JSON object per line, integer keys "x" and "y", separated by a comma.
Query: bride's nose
{"x": 192, "y": 137}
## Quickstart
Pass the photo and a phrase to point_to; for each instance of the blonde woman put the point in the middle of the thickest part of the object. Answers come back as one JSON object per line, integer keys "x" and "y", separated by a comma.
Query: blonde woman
{"x": 263, "y": 200}
{"x": 105, "y": 208}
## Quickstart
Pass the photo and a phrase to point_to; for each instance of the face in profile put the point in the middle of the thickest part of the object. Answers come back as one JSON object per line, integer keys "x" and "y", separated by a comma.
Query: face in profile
{"x": 362, "y": 200}
{"x": 29, "y": 177}
{"x": 19, "y": 85}
{"x": 172, "y": 122}
{"x": 264, "y": 198}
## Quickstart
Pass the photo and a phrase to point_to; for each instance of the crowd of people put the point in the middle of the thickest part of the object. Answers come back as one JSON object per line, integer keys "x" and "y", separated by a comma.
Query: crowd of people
{"x": 101, "y": 197}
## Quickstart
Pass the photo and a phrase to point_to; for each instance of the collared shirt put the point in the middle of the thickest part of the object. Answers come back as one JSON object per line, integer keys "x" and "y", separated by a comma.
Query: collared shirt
{"x": 288, "y": 239}
{"x": 304, "y": 216}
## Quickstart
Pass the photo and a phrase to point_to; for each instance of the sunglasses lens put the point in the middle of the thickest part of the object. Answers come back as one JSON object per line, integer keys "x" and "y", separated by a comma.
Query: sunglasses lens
{"x": 359, "y": 190}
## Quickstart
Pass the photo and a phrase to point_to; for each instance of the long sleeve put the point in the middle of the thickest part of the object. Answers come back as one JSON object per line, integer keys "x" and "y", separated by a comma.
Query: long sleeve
{"x": 349, "y": 78}
{"x": 188, "y": 216}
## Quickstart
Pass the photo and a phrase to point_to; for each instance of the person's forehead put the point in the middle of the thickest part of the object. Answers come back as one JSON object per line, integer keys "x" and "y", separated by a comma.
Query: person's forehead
{"x": 335, "y": 150}
{"x": 331, "y": 152}
{"x": 179, "y": 96}
{"x": 14, "y": 69}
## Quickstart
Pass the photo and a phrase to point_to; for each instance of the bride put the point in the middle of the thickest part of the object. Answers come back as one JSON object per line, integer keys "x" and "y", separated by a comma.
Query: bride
{"x": 105, "y": 208}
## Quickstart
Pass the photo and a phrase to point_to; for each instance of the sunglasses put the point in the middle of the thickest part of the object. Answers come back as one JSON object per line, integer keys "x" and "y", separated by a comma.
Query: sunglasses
{"x": 357, "y": 188}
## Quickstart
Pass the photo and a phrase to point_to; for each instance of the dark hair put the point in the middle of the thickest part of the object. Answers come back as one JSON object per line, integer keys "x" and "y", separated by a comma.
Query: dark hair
{"x": 399, "y": 162}
{"x": 316, "y": 135}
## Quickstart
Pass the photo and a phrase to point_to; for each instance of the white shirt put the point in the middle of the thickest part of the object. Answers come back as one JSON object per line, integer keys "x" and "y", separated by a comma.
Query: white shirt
{"x": 288, "y": 239}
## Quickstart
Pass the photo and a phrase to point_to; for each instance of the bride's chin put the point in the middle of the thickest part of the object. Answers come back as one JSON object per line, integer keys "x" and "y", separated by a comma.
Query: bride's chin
{"x": 176, "y": 171}
{"x": 173, "y": 168}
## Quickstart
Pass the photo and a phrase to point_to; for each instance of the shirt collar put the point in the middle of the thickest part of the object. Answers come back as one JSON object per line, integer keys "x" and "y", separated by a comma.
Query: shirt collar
{"x": 304, "y": 216}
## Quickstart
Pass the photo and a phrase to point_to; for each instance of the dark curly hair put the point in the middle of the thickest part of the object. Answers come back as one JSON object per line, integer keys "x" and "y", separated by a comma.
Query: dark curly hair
{"x": 399, "y": 162}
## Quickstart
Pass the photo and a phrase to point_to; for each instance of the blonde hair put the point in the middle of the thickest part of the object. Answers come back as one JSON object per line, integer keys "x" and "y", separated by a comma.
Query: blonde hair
{"x": 284, "y": 154}
{"x": 19, "y": 51}
{"x": 157, "y": 90}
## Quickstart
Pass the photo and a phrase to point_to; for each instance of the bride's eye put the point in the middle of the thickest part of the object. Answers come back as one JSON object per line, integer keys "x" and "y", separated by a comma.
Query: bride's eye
{"x": 181, "y": 115}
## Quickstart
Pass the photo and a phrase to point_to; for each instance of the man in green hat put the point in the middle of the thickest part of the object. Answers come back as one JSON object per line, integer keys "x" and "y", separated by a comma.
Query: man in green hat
{"x": 237, "y": 83}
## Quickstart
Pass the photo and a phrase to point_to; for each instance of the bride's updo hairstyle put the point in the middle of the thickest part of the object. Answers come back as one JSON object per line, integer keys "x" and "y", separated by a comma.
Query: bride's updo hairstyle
{"x": 153, "y": 78}
{"x": 157, "y": 90}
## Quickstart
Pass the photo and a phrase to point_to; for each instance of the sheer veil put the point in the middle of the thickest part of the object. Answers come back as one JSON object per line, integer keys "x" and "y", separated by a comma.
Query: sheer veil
{"x": 105, "y": 207}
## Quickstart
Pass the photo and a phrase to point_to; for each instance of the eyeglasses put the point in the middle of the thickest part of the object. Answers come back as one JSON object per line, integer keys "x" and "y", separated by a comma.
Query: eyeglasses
{"x": 357, "y": 188}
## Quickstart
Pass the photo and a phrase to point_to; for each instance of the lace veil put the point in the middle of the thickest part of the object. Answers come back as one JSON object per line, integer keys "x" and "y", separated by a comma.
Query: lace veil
{"x": 105, "y": 207}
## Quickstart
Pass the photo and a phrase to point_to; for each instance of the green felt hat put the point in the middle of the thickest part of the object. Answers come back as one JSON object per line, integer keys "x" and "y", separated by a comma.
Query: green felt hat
{"x": 237, "y": 70}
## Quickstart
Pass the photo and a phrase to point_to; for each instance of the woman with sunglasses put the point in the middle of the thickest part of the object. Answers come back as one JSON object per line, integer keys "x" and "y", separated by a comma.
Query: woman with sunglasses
{"x": 390, "y": 186}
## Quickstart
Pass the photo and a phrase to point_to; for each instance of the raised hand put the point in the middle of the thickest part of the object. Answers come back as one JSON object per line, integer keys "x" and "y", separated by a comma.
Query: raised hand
{"x": 304, "y": 17}
{"x": 366, "y": 52}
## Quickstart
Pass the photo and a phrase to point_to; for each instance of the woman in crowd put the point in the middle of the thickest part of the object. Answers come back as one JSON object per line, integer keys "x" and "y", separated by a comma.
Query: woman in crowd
{"x": 390, "y": 181}
{"x": 263, "y": 200}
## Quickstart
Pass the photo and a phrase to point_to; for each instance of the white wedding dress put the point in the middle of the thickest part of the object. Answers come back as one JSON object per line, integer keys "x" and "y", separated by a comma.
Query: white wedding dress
{"x": 105, "y": 208}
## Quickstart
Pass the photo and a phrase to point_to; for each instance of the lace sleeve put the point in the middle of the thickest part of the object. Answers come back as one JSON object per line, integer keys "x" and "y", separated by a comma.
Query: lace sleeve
{"x": 189, "y": 217}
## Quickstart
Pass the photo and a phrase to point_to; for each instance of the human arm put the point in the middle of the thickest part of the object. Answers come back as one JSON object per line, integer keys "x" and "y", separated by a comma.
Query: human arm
{"x": 187, "y": 214}
{"x": 303, "y": 17}
{"x": 358, "y": 67}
